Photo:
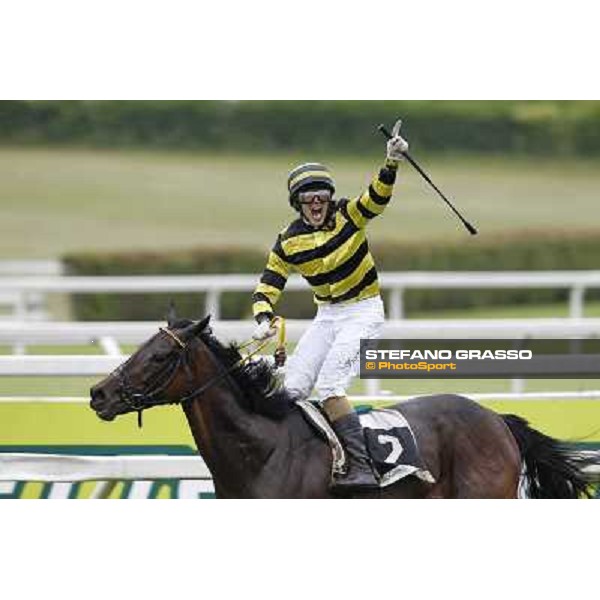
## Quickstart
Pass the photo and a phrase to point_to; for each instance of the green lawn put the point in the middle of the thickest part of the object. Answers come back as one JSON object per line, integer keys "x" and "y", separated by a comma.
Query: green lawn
{"x": 54, "y": 201}
{"x": 55, "y": 424}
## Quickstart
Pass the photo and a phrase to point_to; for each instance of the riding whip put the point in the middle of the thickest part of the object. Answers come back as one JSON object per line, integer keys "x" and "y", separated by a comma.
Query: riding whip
{"x": 426, "y": 177}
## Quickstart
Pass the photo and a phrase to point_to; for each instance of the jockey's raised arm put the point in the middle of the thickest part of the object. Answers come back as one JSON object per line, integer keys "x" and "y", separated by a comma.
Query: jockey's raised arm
{"x": 373, "y": 201}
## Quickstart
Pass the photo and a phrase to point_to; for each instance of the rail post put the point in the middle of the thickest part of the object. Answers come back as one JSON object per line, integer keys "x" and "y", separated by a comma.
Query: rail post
{"x": 212, "y": 304}
{"x": 20, "y": 312}
{"x": 396, "y": 301}
{"x": 517, "y": 385}
{"x": 576, "y": 297}
{"x": 372, "y": 387}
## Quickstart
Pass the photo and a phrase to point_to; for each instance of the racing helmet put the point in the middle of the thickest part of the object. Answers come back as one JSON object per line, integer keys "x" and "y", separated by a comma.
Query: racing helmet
{"x": 305, "y": 177}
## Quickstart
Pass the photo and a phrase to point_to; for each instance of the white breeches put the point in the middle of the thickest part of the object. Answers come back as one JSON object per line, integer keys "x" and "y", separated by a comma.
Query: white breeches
{"x": 327, "y": 355}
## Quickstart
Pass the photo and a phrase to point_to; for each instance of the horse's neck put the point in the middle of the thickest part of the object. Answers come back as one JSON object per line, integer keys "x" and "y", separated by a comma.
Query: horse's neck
{"x": 234, "y": 443}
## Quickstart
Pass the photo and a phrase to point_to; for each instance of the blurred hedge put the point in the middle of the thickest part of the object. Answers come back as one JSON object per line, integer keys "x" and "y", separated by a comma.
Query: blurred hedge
{"x": 547, "y": 251}
{"x": 536, "y": 127}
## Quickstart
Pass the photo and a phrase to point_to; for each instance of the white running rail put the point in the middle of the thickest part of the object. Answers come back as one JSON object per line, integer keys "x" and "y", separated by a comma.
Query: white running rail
{"x": 109, "y": 335}
{"x": 33, "y": 305}
{"x": 577, "y": 282}
{"x": 60, "y": 333}
{"x": 59, "y": 467}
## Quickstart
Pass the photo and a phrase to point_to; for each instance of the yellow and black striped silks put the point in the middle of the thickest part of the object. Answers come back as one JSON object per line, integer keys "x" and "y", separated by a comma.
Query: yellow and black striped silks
{"x": 336, "y": 262}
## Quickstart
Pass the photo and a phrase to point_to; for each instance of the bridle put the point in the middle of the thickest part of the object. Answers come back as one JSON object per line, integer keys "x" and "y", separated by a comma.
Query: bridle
{"x": 138, "y": 401}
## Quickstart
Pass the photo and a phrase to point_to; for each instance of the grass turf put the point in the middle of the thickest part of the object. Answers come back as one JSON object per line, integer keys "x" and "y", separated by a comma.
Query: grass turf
{"x": 54, "y": 201}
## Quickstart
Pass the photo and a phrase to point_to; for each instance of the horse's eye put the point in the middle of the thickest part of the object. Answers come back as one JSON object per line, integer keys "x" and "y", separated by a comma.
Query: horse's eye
{"x": 159, "y": 358}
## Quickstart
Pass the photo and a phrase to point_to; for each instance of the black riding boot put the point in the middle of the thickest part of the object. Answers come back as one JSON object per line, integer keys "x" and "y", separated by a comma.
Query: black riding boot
{"x": 359, "y": 473}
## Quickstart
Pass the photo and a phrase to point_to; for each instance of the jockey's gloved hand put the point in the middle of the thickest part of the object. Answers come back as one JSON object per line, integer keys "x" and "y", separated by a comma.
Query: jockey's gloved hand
{"x": 264, "y": 329}
{"x": 396, "y": 146}
{"x": 280, "y": 356}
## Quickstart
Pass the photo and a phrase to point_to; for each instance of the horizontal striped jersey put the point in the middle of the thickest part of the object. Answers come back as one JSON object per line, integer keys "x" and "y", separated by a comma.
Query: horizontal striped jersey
{"x": 336, "y": 262}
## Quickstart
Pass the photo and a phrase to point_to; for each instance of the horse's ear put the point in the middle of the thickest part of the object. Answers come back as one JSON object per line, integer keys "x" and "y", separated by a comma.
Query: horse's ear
{"x": 171, "y": 315}
{"x": 200, "y": 326}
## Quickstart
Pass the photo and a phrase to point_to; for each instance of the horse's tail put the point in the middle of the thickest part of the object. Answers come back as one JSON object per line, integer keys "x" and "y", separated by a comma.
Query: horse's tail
{"x": 552, "y": 469}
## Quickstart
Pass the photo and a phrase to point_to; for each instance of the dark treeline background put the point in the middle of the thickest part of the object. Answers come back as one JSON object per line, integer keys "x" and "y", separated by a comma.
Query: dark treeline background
{"x": 533, "y": 127}
{"x": 541, "y": 251}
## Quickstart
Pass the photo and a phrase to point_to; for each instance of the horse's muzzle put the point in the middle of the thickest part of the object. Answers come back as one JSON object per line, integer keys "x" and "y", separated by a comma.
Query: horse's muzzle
{"x": 100, "y": 403}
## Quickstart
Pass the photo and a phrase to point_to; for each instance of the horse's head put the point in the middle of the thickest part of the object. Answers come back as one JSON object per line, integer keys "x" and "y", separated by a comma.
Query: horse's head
{"x": 157, "y": 373}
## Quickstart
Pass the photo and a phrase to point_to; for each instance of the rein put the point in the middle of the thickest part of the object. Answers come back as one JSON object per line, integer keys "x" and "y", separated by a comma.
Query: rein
{"x": 139, "y": 401}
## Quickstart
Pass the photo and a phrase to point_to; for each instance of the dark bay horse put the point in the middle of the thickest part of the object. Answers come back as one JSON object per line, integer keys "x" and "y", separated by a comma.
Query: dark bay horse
{"x": 257, "y": 444}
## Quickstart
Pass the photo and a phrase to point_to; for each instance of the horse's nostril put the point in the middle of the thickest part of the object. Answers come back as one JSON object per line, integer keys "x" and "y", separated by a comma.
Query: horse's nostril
{"x": 96, "y": 394}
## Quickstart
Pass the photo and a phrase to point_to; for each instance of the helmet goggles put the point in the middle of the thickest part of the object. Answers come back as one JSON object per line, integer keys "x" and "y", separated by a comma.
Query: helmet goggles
{"x": 310, "y": 196}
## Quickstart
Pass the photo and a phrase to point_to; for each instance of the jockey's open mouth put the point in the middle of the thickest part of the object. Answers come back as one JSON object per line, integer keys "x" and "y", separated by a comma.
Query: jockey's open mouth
{"x": 317, "y": 212}
{"x": 314, "y": 206}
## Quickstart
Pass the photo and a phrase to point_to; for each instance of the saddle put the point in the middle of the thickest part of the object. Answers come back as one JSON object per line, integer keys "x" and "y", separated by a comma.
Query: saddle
{"x": 390, "y": 443}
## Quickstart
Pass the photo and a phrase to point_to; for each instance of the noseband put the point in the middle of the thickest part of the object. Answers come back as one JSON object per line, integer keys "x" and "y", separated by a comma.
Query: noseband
{"x": 138, "y": 401}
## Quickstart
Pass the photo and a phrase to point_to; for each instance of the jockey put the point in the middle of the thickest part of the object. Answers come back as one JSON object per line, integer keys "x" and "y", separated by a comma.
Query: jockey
{"x": 327, "y": 245}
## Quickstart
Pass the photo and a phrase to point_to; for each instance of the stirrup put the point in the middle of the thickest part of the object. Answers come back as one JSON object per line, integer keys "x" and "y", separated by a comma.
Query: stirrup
{"x": 355, "y": 479}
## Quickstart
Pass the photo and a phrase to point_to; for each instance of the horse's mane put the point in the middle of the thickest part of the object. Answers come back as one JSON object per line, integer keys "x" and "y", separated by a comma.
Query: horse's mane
{"x": 258, "y": 388}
